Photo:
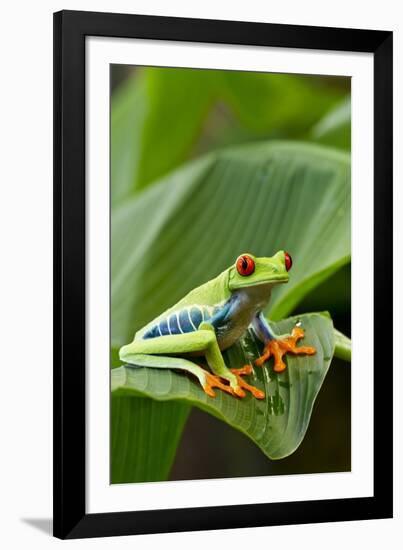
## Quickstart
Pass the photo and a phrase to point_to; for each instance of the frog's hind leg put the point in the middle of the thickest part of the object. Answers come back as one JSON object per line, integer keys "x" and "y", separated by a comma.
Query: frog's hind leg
{"x": 203, "y": 342}
{"x": 207, "y": 380}
{"x": 151, "y": 352}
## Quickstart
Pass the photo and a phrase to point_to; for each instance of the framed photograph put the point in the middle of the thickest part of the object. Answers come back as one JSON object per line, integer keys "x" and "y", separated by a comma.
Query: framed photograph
{"x": 222, "y": 268}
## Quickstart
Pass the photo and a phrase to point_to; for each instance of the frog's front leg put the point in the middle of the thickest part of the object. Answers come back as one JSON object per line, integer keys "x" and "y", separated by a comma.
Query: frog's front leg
{"x": 234, "y": 376}
{"x": 278, "y": 346}
{"x": 202, "y": 341}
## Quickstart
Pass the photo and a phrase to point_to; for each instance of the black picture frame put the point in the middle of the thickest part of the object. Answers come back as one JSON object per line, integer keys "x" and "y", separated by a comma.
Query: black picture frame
{"x": 70, "y": 30}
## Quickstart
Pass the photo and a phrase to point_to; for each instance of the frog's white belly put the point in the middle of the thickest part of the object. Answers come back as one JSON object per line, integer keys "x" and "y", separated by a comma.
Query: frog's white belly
{"x": 230, "y": 333}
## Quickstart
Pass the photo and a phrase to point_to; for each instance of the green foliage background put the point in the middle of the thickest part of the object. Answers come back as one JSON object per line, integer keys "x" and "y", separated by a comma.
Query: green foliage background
{"x": 182, "y": 142}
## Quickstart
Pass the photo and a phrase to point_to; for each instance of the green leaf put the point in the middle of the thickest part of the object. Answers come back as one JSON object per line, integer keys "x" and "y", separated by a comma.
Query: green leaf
{"x": 276, "y": 424}
{"x": 155, "y": 118}
{"x": 342, "y": 346}
{"x": 335, "y": 127}
{"x": 160, "y": 117}
{"x": 145, "y": 434}
{"x": 129, "y": 108}
{"x": 184, "y": 230}
{"x": 277, "y": 102}
{"x": 178, "y": 100}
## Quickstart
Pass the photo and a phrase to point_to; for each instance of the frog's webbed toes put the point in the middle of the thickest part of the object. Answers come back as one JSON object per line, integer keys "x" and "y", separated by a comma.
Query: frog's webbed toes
{"x": 213, "y": 381}
{"x": 238, "y": 390}
{"x": 243, "y": 385}
{"x": 277, "y": 348}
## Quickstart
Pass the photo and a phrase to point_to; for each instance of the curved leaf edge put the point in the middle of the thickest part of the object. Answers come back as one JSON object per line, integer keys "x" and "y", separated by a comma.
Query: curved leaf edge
{"x": 342, "y": 348}
{"x": 117, "y": 390}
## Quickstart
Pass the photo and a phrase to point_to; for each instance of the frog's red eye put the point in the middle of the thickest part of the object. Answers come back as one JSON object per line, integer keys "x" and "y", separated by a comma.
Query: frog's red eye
{"x": 288, "y": 261}
{"x": 245, "y": 265}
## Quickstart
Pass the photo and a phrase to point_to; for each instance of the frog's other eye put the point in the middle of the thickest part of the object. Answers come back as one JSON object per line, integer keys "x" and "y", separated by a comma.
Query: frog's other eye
{"x": 245, "y": 265}
{"x": 288, "y": 261}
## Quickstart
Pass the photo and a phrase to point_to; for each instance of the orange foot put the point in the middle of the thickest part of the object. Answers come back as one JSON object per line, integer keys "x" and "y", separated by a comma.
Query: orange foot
{"x": 278, "y": 348}
{"x": 213, "y": 381}
{"x": 247, "y": 369}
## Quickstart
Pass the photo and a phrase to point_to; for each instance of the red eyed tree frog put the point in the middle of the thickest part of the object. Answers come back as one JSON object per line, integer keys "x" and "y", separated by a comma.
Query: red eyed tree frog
{"x": 211, "y": 318}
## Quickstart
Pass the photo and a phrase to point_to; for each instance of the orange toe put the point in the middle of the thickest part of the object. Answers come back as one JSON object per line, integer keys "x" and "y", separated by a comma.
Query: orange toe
{"x": 247, "y": 369}
{"x": 278, "y": 348}
{"x": 213, "y": 381}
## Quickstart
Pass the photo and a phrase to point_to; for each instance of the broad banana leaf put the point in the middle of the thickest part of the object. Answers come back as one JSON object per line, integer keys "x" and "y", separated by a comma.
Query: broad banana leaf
{"x": 277, "y": 424}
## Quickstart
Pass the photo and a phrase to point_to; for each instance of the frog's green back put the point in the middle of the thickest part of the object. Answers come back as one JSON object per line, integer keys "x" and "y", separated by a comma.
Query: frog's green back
{"x": 208, "y": 294}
